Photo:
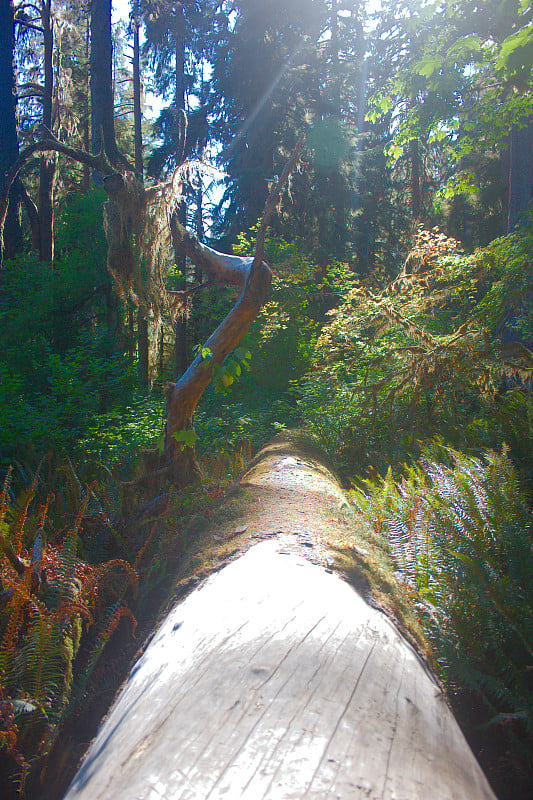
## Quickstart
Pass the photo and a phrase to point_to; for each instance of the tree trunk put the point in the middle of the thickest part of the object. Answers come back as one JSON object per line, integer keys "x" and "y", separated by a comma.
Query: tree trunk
{"x": 142, "y": 323}
{"x": 142, "y": 343}
{"x": 253, "y": 276}
{"x": 102, "y": 101}
{"x": 180, "y": 326}
{"x": 48, "y": 161}
{"x": 137, "y": 116}
{"x": 520, "y": 195}
{"x": 8, "y": 128}
{"x": 334, "y": 54}
{"x": 86, "y": 180}
{"x": 520, "y": 173}
{"x": 33, "y": 217}
{"x": 414, "y": 163}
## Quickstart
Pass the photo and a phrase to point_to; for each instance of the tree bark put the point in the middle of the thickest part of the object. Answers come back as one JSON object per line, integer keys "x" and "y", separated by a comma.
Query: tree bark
{"x": 8, "y": 128}
{"x": 102, "y": 101}
{"x": 86, "y": 127}
{"x": 33, "y": 216}
{"x": 48, "y": 161}
{"x": 137, "y": 115}
{"x": 142, "y": 322}
{"x": 253, "y": 276}
{"x": 334, "y": 55}
{"x": 142, "y": 350}
{"x": 414, "y": 162}
{"x": 520, "y": 173}
{"x": 180, "y": 325}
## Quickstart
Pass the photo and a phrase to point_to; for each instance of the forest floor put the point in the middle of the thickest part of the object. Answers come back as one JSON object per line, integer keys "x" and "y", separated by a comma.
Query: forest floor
{"x": 289, "y": 493}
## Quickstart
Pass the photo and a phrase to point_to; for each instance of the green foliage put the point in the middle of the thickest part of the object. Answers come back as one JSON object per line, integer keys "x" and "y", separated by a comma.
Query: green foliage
{"x": 61, "y": 363}
{"x": 459, "y": 55}
{"x": 250, "y": 416}
{"x": 185, "y": 438}
{"x": 116, "y": 438}
{"x": 224, "y": 375}
{"x": 425, "y": 354}
{"x": 46, "y": 600}
{"x": 461, "y": 536}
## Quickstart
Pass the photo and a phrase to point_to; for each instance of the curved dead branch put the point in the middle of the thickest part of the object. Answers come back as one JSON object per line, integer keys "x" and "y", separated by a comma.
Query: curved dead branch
{"x": 253, "y": 275}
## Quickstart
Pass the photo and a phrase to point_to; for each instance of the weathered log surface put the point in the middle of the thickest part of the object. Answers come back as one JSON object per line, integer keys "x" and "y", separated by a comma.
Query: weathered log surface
{"x": 276, "y": 680}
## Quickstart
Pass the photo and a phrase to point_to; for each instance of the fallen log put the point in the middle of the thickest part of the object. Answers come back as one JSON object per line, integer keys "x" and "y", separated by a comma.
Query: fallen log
{"x": 276, "y": 680}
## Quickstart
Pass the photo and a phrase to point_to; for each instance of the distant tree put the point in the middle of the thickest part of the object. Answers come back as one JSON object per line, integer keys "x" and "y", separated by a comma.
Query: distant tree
{"x": 102, "y": 101}
{"x": 520, "y": 172}
{"x": 52, "y": 83}
{"x": 471, "y": 82}
{"x": 8, "y": 126}
{"x": 48, "y": 161}
{"x": 264, "y": 81}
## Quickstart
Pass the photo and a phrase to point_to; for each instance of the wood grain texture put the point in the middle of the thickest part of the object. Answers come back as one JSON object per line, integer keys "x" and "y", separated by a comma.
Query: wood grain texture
{"x": 275, "y": 680}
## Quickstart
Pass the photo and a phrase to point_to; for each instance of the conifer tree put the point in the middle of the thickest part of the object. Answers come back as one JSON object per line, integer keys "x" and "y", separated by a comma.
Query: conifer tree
{"x": 8, "y": 125}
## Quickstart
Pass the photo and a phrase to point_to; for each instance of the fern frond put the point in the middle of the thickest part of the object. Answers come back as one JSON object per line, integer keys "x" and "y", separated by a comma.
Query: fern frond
{"x": 17, "y": 528}
{"x": 21, "y": 594}
{"x": 66, "y": 580}
{"x": 5, "y": 492}
{"x": 117, "y": 564}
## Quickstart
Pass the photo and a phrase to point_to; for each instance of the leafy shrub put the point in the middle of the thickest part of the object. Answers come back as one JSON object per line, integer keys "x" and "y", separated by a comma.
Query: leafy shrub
{"x": 116, "y": 437}
{"x": 74, "y": 388}
{"x": 433, "y": 352}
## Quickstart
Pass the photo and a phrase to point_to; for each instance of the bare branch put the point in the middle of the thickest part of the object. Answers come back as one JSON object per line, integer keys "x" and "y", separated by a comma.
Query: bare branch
{"x": 28, "y": 24}
{"x": 30, "y": 90}
{"x": 223, "y": 270}
{"x": 20, "y": 8}
{"x": 234, "y": 270}
{"x": 50, "y": 143}
{"x": 272, "y": 203}
{"x": 178, "y": 296}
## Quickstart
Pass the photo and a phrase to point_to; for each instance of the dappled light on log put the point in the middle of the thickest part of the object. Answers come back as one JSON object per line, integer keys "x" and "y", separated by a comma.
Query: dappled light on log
{"x": 276, "y": 680}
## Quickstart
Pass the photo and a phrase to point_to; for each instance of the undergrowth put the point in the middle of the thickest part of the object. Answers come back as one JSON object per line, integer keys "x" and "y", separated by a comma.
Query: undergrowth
{"x": 81, "y": 564}
{"x": 461, "y": 534}
{"x": 57, "y": 612}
